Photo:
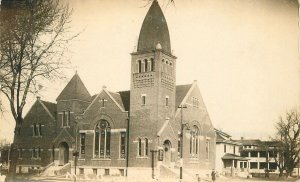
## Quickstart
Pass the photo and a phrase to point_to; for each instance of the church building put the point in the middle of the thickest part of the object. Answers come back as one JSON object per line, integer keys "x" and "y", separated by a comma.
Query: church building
{"x": 126, "y": 132}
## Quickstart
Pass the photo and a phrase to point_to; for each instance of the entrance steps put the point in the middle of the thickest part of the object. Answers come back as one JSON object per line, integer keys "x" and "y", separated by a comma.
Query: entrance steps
{"x": 243, "y": 174}
{"x": 173, "y": 173}
{"x": 56, "y": 170}
{"x": 168, "y": 172}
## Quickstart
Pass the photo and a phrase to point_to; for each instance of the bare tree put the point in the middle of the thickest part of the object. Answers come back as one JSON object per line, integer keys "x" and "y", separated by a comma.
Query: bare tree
{"x": 288, "y": 134}
{"x": 34, "y": 38}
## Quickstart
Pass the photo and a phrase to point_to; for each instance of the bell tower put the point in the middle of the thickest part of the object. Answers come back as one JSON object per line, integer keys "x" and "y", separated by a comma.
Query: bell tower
{"x": 152, "y": 95}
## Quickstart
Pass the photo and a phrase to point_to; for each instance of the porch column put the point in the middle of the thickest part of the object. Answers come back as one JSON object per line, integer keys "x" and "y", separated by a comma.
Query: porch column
{"x": 248, "y": 166}
{"x": 232, "y": 168}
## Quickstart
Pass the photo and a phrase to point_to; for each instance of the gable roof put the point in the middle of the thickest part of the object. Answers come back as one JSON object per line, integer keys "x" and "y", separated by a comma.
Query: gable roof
{"x": 122, "y": 98}
{"x": 63, "y": 134}
{"x": 221, "y": 134}
{"x": 75, "y": 89}
{"x": 50, "y": 108}
{"x": 125, "y": 97}
{"x": 181, "y": 91}
{"x": 117, "y": 98}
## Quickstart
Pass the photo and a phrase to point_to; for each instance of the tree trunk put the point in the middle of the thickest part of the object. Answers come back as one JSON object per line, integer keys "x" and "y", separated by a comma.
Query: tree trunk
{"x": 13, "y": 159}
{"x": 280, "y": 172}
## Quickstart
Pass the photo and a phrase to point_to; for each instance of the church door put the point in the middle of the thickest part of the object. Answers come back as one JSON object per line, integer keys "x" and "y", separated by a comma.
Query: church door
{"x": 167, "y": 152}
{"x": 63, "y": 153}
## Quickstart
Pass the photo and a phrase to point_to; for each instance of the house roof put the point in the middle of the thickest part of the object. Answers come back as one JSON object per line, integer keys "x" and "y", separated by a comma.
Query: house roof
{"x": 228, "y": 156}
{"x": 259, "y": 143}
{"x": 75, "y": 89}
{"x": 271, "y": 143}
{"x": 254, "y": 142}
{"x": 221, "y": 134}
{"x": 154, "y": 30}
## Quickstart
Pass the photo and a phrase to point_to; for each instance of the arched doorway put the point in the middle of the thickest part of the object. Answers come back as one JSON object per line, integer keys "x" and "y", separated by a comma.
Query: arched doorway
{"x": 167, "y": 152}
{"x": 63, "y": 153}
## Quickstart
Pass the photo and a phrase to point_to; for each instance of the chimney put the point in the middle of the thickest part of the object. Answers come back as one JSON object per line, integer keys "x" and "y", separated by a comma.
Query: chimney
{"x": 242, "y": 138}
{"x": 38, "y": 98}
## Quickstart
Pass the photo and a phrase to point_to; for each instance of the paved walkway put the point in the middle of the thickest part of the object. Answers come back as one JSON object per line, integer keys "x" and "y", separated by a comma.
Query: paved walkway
{"x": 141, "y": 179}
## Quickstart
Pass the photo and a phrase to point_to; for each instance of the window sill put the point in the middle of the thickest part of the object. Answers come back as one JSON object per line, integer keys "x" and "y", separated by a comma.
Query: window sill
{"x": 65, "y": 127}
{"x": 35, "y": 158}
{"x": 81, "y": 159}
{"x": 122, "y": 159}
{"x": 142, "y": 157}
{"x": 101, "y": 159}
{"x": 40, "y": 136}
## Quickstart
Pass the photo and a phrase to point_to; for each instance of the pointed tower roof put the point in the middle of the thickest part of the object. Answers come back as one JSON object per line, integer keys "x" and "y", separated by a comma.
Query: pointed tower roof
{"x": 154, "y": 30}
{"x": 75, "y": 89}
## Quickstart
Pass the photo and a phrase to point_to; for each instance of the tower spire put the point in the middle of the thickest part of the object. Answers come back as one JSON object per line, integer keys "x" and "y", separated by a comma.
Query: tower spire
{"x": 154, "y": 30}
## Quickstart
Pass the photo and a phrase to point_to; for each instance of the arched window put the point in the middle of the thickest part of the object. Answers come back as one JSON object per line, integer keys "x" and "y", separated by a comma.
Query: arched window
{"x": 152, "y": 64}
{"x": 194, "y": 141}
{"x": 171, "y": 69}
{"x": 102, "y": 140}
{"x": 163, "y": 66}
{"x": 139, "y": 147}
{"x": 146, "y": 146}
{"x": 146, "y": 65}
{"x": 139, "y": 66}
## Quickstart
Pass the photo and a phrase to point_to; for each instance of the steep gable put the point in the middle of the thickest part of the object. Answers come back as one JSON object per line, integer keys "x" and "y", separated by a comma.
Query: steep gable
{"x": 111, "y": 97}
{"x": 117, "y": 98}
{"x": 181, "y": 92}
{"x": 42, "y": 108}
{"x": 222, "y": 135}
{"x": 50, "y": 108}
{"x": 75, "y": 89}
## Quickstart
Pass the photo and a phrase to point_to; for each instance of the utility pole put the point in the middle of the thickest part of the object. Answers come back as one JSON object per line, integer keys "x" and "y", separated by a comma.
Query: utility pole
{"x": 181, "y": 139}
{"x": 127, "y": 143}
{"x": 153, "y": 152}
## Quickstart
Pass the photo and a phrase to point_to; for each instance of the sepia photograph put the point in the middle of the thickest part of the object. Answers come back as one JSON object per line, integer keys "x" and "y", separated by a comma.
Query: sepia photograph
{"x": 149, "y": 90}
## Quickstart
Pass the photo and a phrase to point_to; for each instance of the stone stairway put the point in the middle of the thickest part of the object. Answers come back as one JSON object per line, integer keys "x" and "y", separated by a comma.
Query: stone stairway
{"x": 172, "y": 173}
{"x": 56, "y": 170}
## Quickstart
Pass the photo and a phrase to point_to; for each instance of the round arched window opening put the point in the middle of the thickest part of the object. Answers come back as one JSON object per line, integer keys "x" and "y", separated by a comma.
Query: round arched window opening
{"x": 194, "y": 141}
{"x": 102, "y": 139}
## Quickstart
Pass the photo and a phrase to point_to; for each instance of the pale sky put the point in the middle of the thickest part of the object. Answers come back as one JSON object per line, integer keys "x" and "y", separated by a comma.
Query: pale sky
{"x": 243, "y": 53}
